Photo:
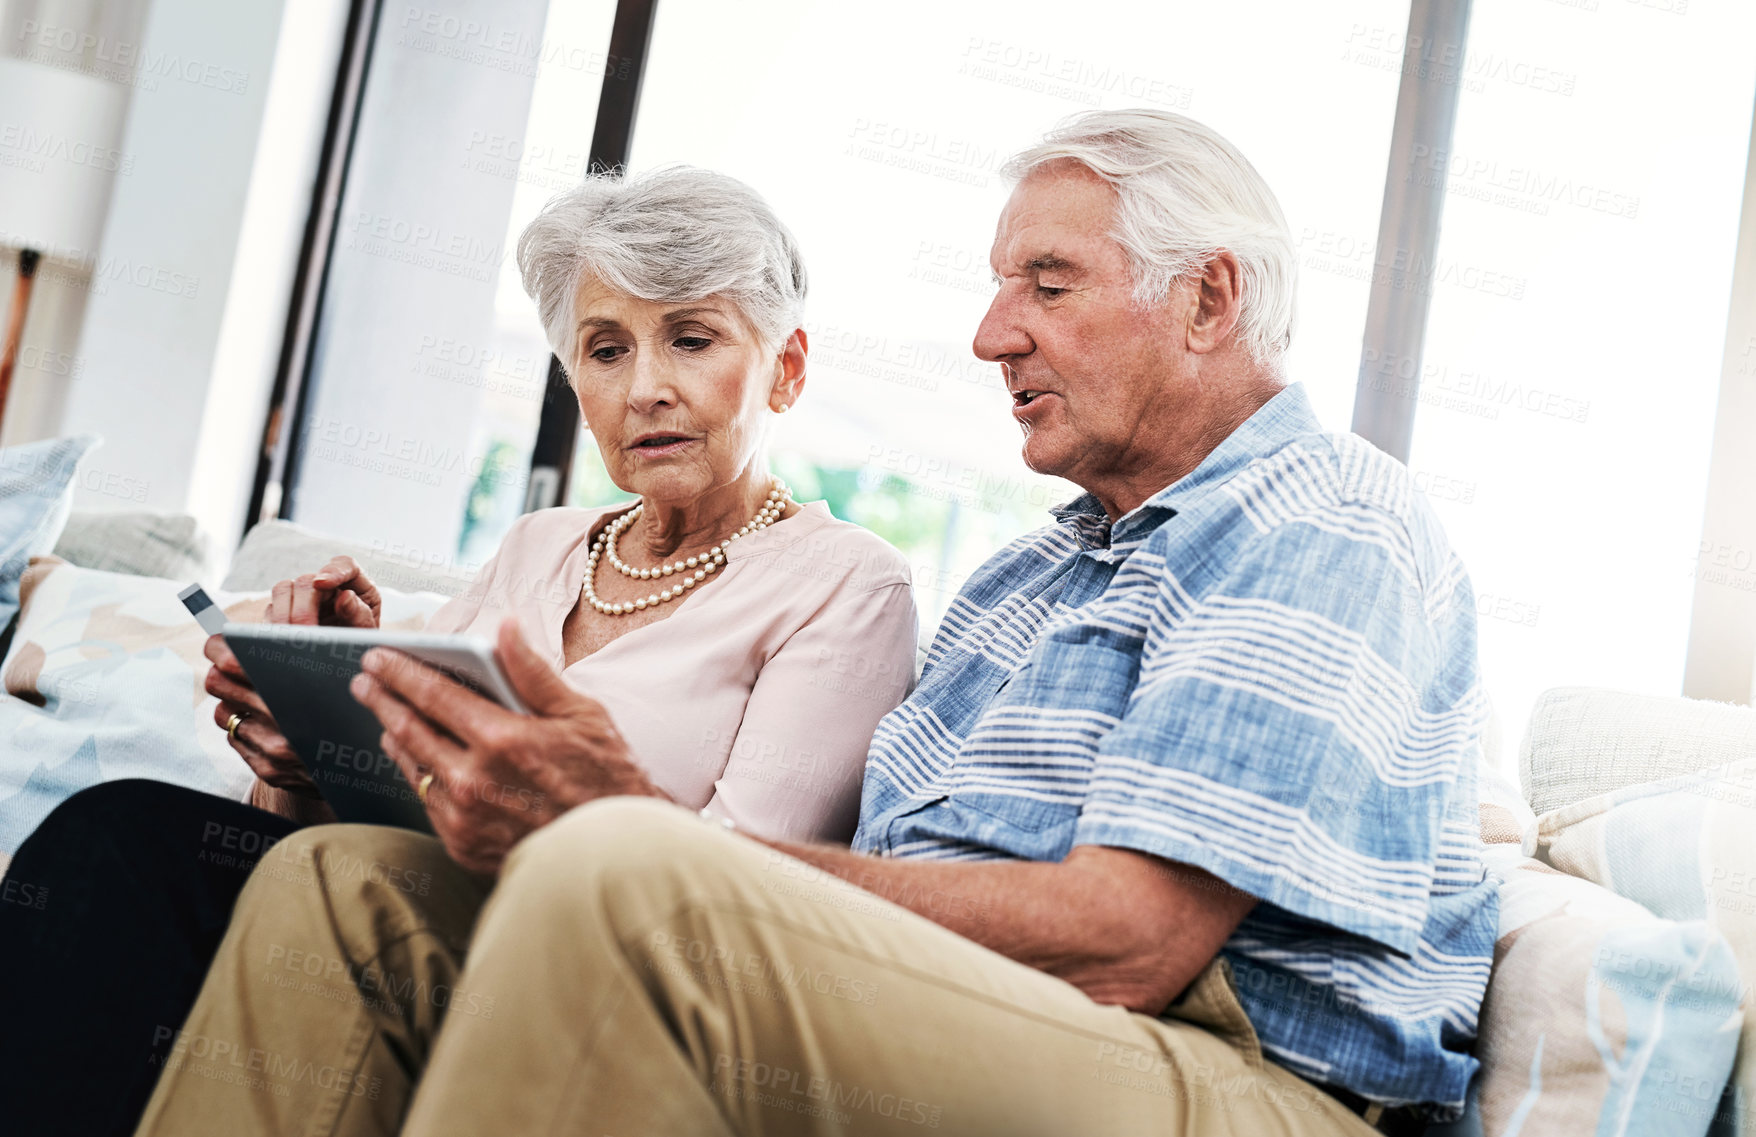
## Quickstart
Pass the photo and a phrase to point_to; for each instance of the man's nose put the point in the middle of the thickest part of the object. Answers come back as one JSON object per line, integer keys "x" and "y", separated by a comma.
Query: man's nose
{"x": 1001, "y": 335}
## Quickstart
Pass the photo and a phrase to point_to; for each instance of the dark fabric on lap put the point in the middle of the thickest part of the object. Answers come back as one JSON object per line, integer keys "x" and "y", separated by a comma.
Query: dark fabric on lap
{"x": 109, "y": 916}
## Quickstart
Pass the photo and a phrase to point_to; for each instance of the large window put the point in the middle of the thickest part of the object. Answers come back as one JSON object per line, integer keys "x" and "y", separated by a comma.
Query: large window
{"x": 429, "y": 362}
{"x": 1575, "y": 338}
{"x": 1578, "y": 301}
{"x": 877, "y": 133}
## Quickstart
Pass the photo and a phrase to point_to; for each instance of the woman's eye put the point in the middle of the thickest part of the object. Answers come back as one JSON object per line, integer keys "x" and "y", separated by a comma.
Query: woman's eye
{"x": 692, "y": 343}
{"x": 608, "y": 353}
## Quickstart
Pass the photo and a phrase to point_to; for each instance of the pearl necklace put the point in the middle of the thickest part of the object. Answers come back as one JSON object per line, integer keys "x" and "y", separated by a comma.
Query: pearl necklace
{"x": 691, "y": 571}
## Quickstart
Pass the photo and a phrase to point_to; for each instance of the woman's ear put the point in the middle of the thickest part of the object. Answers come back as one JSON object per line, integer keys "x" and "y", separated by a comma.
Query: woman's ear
{"x": 789, "y": 380}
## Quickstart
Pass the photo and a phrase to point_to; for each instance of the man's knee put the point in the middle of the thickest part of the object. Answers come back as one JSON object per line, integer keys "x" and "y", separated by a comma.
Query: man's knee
{"x": 642, "y": 844}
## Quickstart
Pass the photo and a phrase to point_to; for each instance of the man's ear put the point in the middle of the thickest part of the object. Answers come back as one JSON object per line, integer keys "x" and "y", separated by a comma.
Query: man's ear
{"x": 789, "y": 378}
{"x": 1215, "y": 312}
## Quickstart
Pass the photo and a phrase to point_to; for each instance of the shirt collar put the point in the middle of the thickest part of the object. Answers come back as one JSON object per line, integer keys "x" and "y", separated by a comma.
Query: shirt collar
{"x": 1277, "y": 422}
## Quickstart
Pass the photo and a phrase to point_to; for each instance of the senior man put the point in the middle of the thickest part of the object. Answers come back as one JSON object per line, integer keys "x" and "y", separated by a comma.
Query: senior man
{"x": 1176, "y": 835}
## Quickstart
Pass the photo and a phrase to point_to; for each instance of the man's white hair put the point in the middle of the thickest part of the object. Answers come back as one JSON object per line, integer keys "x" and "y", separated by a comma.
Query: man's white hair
{"x": 672, "y": 236}
{"x": 1184, "y": 193}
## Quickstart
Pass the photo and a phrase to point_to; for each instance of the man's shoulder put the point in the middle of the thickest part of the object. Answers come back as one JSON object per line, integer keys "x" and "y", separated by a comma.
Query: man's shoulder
{"x": 1338, "y": 484}
{"x": 1030, "y": 553}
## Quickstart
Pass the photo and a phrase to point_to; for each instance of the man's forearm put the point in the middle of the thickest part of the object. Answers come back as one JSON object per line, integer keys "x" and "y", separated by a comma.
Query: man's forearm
{"x": 1083, "y": 920}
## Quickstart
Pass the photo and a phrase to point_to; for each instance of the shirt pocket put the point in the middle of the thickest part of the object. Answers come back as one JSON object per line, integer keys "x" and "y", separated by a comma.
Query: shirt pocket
{"x": 1028, "y": 761}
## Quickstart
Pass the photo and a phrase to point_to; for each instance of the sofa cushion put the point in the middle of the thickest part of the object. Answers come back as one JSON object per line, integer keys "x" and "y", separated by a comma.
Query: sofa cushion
{"x": 274, "y": 551}
{"x": 139, "y": 543}
{"x": 106, "y": 673}
{"x": 1685, "y": 848}
{"x": 36, "y": 495}
{"x": 1600, "y": 1018}
{"x": 1587, "y": 741}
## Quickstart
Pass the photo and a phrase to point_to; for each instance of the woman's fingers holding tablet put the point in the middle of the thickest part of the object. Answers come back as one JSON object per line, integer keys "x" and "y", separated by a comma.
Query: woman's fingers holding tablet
{"x": 352, "y": 612}
{"x": 239, "y": 694}
{"x": 259, "y": 742}
{"x": 356, "y": 602}
{"x": 280, "y": 602}
{"x": 219, "y": 653}
{"x": 305, "y": 605}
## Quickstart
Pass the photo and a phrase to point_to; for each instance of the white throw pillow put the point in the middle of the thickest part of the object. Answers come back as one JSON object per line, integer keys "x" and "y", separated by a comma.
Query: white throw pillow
{"x": 104, "y": 680}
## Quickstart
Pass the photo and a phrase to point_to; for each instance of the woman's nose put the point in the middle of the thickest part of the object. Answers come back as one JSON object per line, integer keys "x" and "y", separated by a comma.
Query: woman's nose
{"x": 654, "y": 383}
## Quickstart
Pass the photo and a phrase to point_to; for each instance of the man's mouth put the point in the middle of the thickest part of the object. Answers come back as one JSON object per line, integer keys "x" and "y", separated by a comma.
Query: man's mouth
{"x": 1026, "y": 398}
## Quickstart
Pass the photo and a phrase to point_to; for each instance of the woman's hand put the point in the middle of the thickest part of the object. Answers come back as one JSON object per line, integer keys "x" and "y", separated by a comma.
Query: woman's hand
{"x": 338, "y": 594}
{"x": 496, "y": 775}
{"x": 257, "y": 740}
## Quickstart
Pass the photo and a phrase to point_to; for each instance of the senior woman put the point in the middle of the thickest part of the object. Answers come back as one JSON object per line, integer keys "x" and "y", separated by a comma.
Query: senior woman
{"x": 733, "y": 648}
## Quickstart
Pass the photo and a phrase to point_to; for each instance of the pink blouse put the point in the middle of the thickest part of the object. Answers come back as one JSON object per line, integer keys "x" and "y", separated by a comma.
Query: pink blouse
{"x": 759, "y": 694}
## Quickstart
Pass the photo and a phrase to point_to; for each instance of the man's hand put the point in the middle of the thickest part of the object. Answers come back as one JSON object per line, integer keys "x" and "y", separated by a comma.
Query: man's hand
{"x": 497, "y": 775}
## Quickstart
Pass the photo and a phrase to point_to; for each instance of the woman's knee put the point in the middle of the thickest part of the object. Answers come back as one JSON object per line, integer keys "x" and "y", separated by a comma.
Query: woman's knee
{"x": 124, "y": 806}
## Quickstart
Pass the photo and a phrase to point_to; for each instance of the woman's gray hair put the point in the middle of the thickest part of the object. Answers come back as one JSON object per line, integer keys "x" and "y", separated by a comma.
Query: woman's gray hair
{"x": 672, "y": 236}
{"x": 1184, "y": 193}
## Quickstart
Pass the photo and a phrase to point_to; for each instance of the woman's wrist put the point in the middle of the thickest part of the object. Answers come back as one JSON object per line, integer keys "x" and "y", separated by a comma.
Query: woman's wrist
{"x": 307, "y": 809}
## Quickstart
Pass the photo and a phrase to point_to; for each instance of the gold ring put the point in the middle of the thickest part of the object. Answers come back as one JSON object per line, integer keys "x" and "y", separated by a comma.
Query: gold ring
{"x": 232, "y": 726}
{"x": 423, "y": 785}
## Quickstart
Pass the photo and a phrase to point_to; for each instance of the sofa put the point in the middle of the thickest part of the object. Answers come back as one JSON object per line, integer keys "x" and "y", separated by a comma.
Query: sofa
{"x": 1625, "y": 844}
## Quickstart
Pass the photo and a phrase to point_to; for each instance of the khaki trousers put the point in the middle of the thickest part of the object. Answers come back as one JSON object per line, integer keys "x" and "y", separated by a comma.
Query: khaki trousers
{"x": 639, "y": 971}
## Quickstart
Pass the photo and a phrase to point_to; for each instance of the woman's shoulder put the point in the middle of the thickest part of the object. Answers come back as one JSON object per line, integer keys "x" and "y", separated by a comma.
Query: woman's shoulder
{"x": 851, "y": 555}
{"x": 563, "y": 522}
{"x": 545, "y": 535}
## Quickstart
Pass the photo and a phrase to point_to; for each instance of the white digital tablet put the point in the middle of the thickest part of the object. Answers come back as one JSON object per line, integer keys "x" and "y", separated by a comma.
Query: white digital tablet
{"x": 303, "y": 672}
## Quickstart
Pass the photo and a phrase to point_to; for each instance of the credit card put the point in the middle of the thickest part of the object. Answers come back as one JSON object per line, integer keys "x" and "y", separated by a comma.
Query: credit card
{"x": 208, "y": 614}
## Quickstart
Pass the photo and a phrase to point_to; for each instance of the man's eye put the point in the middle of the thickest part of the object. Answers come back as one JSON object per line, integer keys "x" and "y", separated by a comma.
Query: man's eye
{"x": 1049, "y": 291}
{"x": 692, "y": 343}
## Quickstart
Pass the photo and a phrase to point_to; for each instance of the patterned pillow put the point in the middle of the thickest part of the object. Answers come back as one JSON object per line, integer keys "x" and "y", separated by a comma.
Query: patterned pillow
{"x": 1683, "y": 848}
{"x": 1600, "y": 1019}
{"x": 104, "y": 679}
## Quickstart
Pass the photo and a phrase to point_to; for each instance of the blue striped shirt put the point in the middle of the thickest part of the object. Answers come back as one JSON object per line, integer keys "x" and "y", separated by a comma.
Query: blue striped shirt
{"x": 1267, "y": 671}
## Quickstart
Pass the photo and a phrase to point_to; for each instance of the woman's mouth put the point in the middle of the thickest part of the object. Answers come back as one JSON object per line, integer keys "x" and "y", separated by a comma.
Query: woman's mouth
{"x": 659, "y": 445}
